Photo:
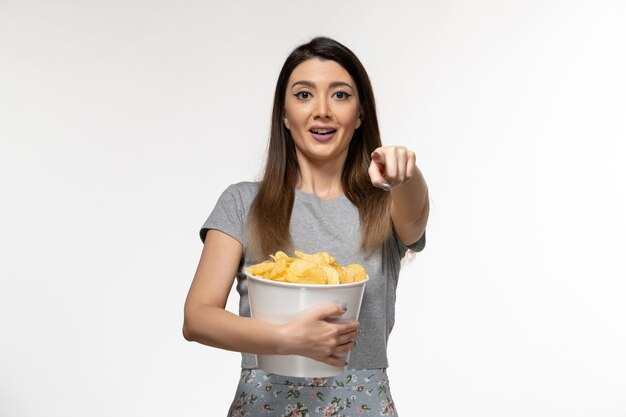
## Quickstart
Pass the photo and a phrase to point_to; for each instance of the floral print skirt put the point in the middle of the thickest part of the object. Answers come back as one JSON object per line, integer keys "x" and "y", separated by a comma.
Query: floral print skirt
{"x": 363, "y": 392}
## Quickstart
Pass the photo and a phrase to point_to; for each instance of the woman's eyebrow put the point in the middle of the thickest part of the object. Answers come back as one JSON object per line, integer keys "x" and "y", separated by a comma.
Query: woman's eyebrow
{"x": 311, "y": 84}
{"x": 340, "y": 84}
{"x": 304, "y": 83}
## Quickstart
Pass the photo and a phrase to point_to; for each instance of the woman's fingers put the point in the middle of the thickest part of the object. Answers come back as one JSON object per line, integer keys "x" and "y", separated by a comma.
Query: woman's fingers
{"x": 328, "y": 311}
{"x": 376, "y": 176}
{"x": 391, "y": 166}
{"x": 410, "y": 165}
{"x": 351, "y": 326}
{"x": 319, "y": 334}
{"x": 340, "y": 350}
{"x": 347, "y": 337}
{"x": 345, "y": 348}
{"x": 391, "y": 170}
{"x": 335, "y": 361}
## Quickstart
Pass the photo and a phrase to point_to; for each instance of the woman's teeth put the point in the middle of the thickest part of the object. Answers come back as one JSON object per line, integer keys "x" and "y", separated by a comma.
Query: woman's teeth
{"x": 323, "y": 131}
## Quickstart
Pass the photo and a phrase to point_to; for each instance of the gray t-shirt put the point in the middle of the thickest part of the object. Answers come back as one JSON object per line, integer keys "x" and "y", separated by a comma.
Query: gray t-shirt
{"x": 323, "y": 225}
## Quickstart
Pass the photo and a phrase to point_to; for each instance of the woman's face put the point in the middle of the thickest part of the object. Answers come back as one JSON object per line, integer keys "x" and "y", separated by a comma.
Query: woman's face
{"x": 322, "y": 109}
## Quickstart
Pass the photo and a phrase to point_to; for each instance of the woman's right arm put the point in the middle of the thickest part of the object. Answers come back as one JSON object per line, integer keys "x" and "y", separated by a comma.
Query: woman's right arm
{"x": 208, "y": 322}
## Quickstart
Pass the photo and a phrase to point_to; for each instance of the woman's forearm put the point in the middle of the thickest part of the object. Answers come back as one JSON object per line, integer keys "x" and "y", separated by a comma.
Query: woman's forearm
{"x": 214, "y": 326}
{"x": 410, "y": 207}
{"x": 307, "y": 334}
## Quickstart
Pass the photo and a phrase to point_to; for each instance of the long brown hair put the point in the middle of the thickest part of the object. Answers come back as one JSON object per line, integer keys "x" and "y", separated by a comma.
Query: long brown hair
{"x": 270, "y": 212}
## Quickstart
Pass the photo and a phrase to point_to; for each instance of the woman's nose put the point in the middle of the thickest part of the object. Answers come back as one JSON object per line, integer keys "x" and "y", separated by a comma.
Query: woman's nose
{"x": 322, "y": 109}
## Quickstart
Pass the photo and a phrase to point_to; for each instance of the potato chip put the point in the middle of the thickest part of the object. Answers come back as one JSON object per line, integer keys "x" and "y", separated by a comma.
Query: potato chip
{"x": 280, "y": 270}
{"x": 316, "y": 268}
{"x": 313, "y": 275}
{"x": 357, "y": 271}
{"x": 319, "y": 258}
{"x": 262, "y": 268}
{"x": 298, "y": 267}
{"x": 344, "y": 276}
{"x": 332, "y": 276}
{"x": 279, "y": 255}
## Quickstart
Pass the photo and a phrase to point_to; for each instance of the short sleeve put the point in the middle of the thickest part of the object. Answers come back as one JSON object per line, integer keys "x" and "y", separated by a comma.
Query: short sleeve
{"x": 418, "y": 246}
{"x": 228, "y": 215}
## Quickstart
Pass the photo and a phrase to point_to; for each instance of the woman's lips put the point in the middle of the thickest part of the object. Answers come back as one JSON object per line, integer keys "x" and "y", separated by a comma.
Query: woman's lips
{"x": 323, "y": 137}
{"x": 322, "y": 134}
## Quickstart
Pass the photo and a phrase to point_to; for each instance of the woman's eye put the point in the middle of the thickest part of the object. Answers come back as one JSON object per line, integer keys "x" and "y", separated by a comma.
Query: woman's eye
{"x": 303, "y": 95}
{"x": 342, "y": 95}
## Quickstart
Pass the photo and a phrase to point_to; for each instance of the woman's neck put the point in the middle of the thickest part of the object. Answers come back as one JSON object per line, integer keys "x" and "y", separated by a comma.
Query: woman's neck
{"x": 322, "y": 178}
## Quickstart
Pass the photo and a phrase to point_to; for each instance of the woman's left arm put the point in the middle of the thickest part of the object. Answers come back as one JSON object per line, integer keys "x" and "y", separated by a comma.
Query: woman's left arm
{"x": 393, "y": 168}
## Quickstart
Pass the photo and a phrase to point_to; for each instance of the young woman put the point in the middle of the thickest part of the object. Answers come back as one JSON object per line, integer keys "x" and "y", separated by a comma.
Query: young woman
{"x": 329, "y": 185}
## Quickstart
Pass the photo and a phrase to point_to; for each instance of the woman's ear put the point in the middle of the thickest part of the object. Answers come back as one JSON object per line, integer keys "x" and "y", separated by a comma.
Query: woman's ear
{"x": 358, "y": 121}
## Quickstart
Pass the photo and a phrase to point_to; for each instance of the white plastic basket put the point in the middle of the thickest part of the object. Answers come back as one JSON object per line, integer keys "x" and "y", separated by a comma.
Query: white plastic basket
{"x": 278, "y": 302}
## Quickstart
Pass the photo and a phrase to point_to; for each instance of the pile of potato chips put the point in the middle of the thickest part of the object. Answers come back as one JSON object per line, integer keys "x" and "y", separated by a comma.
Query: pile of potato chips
{"x": 317, "y": 268}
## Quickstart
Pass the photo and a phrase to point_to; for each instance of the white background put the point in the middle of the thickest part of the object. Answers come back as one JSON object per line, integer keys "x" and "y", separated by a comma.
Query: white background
{"x": 122, "y": 121}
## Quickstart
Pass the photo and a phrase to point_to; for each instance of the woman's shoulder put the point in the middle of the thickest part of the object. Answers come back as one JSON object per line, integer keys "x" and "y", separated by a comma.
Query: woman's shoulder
{"x": 245, "y": 190}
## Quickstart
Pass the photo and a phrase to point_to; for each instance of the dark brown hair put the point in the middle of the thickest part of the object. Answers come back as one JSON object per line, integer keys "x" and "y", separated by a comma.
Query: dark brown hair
{"x": 271, "y": 209}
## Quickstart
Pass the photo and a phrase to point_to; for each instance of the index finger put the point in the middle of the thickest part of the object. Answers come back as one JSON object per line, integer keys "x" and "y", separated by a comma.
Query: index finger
{"x": 376, "y": 177}
{"x": 347, "y": 327}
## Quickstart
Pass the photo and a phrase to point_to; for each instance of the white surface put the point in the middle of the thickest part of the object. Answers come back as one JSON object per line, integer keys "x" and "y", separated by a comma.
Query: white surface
{"x": 122, "y": 121}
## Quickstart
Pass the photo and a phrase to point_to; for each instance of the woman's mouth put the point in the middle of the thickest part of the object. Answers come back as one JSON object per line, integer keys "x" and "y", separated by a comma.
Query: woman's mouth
{"x": 322, "y": 134}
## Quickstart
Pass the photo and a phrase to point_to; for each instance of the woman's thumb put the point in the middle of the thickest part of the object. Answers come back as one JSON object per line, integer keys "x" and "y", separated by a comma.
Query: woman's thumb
{"x": 331, "y": 310}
